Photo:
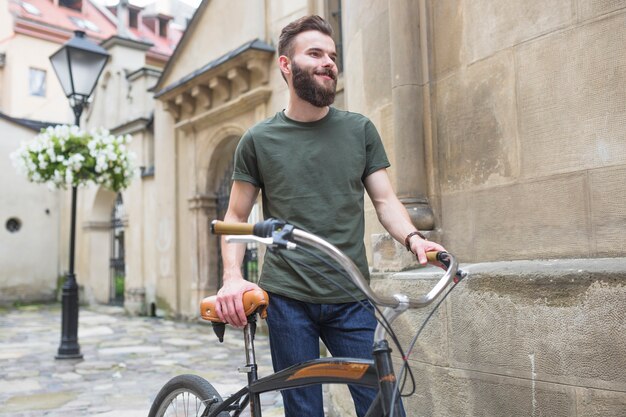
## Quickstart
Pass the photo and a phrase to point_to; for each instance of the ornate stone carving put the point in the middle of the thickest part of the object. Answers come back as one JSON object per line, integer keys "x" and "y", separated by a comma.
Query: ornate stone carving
{"x": 171, "y": 107}
{"x": 202, "y": 95}
{"x": 239, "y": 79}
{"x": 220, "y": 88}
{"x": 186, "y": 102}
{"x": 229, "y": 81}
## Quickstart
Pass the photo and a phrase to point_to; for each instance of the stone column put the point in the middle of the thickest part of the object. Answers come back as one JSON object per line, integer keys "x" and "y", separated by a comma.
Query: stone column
{"x": 204, "y": 211}
{"x": 408, "y": 81}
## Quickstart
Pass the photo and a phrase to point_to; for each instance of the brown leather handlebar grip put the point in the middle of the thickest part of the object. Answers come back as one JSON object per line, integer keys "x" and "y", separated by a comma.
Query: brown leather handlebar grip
{"x": 432, "y": 256}
{"x": 222, "y": 228}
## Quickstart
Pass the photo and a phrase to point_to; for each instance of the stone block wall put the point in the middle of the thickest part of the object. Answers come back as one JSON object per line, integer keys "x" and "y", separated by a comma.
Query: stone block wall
{"x": 526, "y": 107}
{"x": 530, "y": 127}
{"x": 520, "y": 338}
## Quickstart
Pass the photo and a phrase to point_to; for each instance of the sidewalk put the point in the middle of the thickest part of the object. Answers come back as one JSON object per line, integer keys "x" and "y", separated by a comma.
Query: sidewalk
{"x": 126, "y": 361}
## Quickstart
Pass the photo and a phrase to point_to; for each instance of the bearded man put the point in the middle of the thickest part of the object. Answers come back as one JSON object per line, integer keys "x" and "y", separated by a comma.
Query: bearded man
{"x": 313, "y": 163}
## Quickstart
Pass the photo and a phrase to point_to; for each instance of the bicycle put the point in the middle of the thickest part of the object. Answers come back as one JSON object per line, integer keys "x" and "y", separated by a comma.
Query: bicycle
{"x": 193, "y": 395}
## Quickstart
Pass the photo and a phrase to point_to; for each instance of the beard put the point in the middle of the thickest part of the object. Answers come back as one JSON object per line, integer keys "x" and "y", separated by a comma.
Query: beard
{"x": 309, "y": 90}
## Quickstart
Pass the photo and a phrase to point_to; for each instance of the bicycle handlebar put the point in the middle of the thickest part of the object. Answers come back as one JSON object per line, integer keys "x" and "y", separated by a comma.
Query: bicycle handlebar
{"x": 280, "y": 232}
{"x": 223, "y": 228}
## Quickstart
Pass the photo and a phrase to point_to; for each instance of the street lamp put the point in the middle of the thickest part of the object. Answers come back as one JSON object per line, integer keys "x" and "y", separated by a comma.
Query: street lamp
{"x": 78, "y": 65}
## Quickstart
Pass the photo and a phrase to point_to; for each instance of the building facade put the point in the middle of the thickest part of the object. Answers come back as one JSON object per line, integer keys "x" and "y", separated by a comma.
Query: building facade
{"x": 29, "y": 231}
{"x": 502, "y": 122}
{"x": 140, "y": 43}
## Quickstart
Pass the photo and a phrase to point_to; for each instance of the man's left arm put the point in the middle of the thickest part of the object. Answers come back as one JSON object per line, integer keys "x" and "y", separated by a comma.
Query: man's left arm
{"x": 393, "y": 215}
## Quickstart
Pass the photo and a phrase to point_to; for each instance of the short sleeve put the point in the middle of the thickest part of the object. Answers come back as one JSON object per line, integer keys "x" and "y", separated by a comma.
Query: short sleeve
{"x": 375, "y": 155}
{"x": 246, "y": 167}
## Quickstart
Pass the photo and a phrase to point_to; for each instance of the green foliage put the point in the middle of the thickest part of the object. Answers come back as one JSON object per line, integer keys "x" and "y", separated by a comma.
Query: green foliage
{"x": 119, "y": 286}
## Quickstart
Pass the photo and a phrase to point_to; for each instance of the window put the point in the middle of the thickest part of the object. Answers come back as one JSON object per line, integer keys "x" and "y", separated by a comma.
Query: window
{"x": 163, "y": 27}
{"x": 133, "y": 18}
{"x": 37, "y": 82}
{"x": 13, "y": 225}
{"x": 72, "y": 4}
{"x": 333, "y": 16}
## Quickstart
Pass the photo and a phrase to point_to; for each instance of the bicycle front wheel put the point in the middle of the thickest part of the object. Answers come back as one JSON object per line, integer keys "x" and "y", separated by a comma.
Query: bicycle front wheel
{"x": 185, "y": 395}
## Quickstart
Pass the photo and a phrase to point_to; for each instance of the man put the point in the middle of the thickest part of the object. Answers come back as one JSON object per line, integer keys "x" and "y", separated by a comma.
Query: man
{"x": 312, "y": 163}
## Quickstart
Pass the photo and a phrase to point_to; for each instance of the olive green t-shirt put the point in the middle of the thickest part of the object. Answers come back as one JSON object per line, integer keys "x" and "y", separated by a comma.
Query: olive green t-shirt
{"x": 311, "y": 175}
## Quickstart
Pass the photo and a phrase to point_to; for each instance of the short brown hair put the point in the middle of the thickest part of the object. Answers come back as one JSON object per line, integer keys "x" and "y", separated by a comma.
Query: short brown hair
{"x": 304, "y": 24}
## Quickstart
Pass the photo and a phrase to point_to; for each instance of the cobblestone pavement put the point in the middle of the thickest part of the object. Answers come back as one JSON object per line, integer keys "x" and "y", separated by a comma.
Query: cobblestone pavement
{"x": 126, "y": 361}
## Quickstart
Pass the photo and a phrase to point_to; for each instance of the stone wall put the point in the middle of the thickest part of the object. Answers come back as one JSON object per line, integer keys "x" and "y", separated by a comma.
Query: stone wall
{"x": 29, "y": 228}
{"x": 530, "y": 127}
{"x": 519, "y": 338}
{"x": 524, "y": 109}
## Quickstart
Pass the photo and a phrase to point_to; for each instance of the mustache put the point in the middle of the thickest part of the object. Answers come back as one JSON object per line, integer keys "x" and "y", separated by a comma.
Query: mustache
{"x": 327, "y": 72}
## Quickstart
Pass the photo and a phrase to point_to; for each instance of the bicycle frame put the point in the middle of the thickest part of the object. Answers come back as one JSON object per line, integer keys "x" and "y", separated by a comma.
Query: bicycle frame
{"x": 377, "y": 373}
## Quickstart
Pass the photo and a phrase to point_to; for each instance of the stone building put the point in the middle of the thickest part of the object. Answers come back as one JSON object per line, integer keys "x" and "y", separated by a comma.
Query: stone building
{"x": 504, "y": 125}
{"x": 29, "y": 231}
{"x": 30, "y": 31}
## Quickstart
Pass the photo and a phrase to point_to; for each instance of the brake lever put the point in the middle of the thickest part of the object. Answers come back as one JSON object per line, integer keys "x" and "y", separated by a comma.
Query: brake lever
{"x": 445, "y": 260}
{"x": 268, "y": 241}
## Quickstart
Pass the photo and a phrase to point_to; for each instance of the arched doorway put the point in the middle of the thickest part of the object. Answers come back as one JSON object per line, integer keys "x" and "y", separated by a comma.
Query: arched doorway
{"x": 250, "y": 270}
{"x": 117, "y": 261}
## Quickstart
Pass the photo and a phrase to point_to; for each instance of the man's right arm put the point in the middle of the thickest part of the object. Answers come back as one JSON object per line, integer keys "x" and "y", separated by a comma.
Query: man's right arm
{"x": 229, "y": 306}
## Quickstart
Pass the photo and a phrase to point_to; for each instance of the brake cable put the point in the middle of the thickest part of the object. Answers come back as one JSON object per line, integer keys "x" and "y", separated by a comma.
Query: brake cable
{"x": 386, "y": 325}
{"x": 406, "y": 371}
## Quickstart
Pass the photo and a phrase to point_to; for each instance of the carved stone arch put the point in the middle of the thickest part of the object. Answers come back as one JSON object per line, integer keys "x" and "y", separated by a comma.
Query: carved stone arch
{"x": 221, "y": 163}
{"x": 210, "y": 150}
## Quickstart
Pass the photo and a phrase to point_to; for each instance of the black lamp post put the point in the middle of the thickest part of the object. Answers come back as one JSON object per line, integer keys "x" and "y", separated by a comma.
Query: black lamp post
{"x": 78, "y": 65}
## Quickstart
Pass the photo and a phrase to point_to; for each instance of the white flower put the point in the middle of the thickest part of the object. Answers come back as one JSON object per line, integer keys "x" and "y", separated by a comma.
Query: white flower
{"x": 69, "y": 177}
{"x": 97, "y": 158}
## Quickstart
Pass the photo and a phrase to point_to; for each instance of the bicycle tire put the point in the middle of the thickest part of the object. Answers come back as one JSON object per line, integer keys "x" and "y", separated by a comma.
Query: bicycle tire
{"x": 185, "y": 395}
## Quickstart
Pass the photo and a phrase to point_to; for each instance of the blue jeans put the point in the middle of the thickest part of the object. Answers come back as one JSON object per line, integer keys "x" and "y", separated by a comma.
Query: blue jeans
{"x": 295, "y": 328}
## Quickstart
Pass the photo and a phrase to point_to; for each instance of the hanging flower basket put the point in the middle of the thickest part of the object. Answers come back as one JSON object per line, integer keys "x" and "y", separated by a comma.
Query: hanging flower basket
{"x": 63, "y": 156}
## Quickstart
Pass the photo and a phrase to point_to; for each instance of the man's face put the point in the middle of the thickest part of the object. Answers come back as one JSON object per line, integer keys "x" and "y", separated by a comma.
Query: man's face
{"x": 313, "y": 68}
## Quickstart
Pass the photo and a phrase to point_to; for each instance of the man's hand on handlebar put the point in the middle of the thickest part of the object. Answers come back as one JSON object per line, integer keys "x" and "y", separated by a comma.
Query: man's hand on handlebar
{"x": 420, "y": 246}
{"x": 229, "y": 306}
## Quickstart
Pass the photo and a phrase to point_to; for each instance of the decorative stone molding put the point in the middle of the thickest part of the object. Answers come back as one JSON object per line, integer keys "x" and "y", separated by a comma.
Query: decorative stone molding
{"x": 171, "y": 107}
{"x": 259, "y": 69}
{"x": 96, "y": 225}
{"x": 243, "y": 103}
{"x": 185, "y": 102}
{"x": 221, "y": 89}
{"x": 239, "y": 77}
{"x": 202, "y": 202}
{"x": 202, "y": 95}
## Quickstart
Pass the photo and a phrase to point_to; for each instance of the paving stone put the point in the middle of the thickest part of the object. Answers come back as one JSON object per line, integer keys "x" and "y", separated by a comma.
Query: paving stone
{"x": 126, "y": 362}
{"x": 38, "y": 401}
{"x": 10, "y": 386}
{"x": 182, "y": 342}
{"x": 124, "y": 350}
{"x": 94, "y": 331}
